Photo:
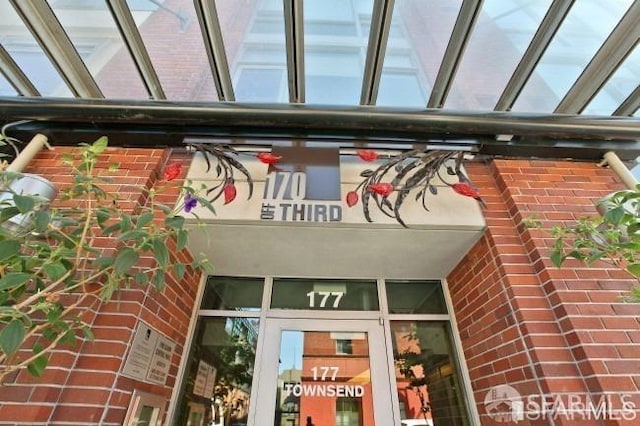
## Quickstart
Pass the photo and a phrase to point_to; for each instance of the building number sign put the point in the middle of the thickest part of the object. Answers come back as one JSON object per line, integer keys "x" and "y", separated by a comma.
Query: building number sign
{"x": 285, "y": 199}
{"x": 325, "y": 297}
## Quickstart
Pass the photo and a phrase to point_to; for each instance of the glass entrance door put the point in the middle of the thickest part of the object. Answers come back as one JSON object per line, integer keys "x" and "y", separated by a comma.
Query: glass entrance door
{"x": 323, "y": 373}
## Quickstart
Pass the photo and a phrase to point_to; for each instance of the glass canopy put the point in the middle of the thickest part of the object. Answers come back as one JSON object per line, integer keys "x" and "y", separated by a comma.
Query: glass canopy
{"x": 524, "y": 55}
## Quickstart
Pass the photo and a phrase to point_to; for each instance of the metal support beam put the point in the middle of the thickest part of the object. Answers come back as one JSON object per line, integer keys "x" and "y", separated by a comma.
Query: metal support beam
{"x": 15, "y": 76}
{"x": 214, "y": 45}
{"x": 611, "y": 54}
{"x": 304, "y": 120}
{"x": 465, "y": 22}
{"x": 47, "y": 30}
{"x": 630, "y": 105}
{"x": 378, "y": 36}
{"x": 546, "y": 31}
{"x": 133, "y": 40}
{"x": 294, "y": 36}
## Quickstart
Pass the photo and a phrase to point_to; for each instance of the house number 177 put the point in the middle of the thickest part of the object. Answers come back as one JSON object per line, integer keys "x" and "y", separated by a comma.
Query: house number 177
{"x": 324, "y": 298}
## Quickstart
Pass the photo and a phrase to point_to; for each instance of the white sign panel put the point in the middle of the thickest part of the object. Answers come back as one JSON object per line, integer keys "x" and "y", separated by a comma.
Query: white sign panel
{"x": 201, "y": 378}
{"x": 150, "y": 355}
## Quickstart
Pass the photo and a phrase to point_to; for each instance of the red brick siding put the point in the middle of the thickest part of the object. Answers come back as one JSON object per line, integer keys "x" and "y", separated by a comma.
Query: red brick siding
{"x": 526, "y": 323}
{"x": 83, "y": 384}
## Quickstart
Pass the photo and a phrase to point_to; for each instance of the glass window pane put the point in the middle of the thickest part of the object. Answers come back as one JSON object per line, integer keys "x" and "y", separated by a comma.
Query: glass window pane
{"x": 325, "y": 295}
{"x": 415, "y": 297}
{"x": 220, "y": 367}
{"x": 241, "y": 294}
{"x": 254, "y": 35}
{"x": 500, "y": 37}
{"x": 319, "y": 386}
{"x": 334, "y": 54}
{"x": 618, "y": 88}
{"x": 260, "y": 85}
{"x": 172, "y": 36}
{"x": 328, "y": 10}
{"x": 332, "y": 28}
{"x": 401, "y": 90}
{"x": 333, "y": 90}
{"x": 95, "y": 36}
{"x": 585, "y": 28}
{"x": 427, "y": 377}
{"x": 421, "y": 30}
{"x": 6, "y": 89}
{"x": 25, "y": 51}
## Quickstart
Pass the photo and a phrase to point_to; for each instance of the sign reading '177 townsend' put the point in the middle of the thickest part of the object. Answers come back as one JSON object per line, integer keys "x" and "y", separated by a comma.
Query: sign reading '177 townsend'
{"x": 304, "y": 186}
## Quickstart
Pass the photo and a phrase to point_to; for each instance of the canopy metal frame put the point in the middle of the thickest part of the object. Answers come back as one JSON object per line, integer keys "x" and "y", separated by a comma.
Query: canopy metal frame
{"x": 158, "y": 123}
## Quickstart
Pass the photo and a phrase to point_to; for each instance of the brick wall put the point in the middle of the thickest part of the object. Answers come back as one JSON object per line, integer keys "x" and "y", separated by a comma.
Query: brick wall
{"x": 82, "y": 385}
{"x": 524, "y": 322}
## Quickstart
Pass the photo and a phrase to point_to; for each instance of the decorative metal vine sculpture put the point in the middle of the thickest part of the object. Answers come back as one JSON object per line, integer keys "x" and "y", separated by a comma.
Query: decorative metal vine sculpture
{"x": 400, "y": 174}
{"x": 226, "y": 164}
{"x": 415, "y": 169}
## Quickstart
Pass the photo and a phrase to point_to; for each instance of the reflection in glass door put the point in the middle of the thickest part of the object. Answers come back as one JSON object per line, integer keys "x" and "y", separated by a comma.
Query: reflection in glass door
{"x": 324, "y": 373}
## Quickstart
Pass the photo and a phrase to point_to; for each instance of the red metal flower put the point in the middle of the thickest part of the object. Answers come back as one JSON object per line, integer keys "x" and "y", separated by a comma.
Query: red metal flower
{"x": 383, "y": 189}
{"x": 352, "y": 198}
{"x": 268, "y": 158}
{"x": 172, "y": 171}
{"x": 367, "y": 155}
{"x": 229, "y": 192}
{"x": 468, "y": 191}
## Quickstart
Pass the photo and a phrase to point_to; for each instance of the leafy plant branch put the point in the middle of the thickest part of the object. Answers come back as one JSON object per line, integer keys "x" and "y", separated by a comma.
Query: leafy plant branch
{"x": 56, "y": 264}
{"x": 613, "y": 237}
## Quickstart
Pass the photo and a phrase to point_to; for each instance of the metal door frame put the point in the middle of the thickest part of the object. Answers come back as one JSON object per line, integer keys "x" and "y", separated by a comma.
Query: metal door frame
{"x": 266, "y": 374}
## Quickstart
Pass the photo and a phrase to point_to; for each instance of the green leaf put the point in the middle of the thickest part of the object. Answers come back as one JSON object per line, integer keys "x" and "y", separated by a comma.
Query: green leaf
{"x": 54, "y": 314}
{"x": 594, "y": 255}
{"x": 8, "y": 212}
{"x": 24, "y": 203}
{"x": 109, "y": 288}
{"x": 615, "y": 216}
{"x": 179, "y": 269}
{"x": 557, "y": 258}
{"x": 161, "y": 253}
{"x": 11, "y": 336}
{"x": 182, "y": 237}
{"x": 13, "y": 279}
{"x": 49, "y": 334}
{"x": 126, "y": 258}
{"x": 42, "y": 219}
{"x": 67, "y": 159}
{"x": 141, "y": 278}
{"x": 8, "y": 249}
{"x": 102, "y": 215}
{"x": 54, "y": 271}
{"x": 202, "y": 263}
{"x": 69, "y": 337}
{"x": 113, "y": 167}
{"x": 144, "y": 219}
{"x": 99, "y": 145}
{"x": 175, "y": 222}
{"x": 136, "y": 235}
{"x": 204, "y": 202}
{"x": 104, "y": 262}
{"x": 158, "y": 280}
{"x": 111, "y": 229}
{"x": 125, "y": 223}
{"x": 634, "y": 269}
{"x": 88, "y": 334}
{"x": 38, "y": 365}
{"x": 164, "y": 208}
